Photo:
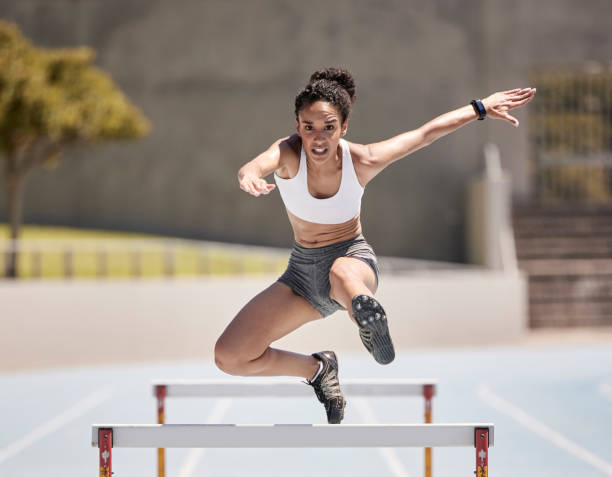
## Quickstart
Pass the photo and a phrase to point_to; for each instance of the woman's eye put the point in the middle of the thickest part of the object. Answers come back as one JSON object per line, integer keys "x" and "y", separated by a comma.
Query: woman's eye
{"x": 329, "y": 127}
{"x": 308, "y": 127}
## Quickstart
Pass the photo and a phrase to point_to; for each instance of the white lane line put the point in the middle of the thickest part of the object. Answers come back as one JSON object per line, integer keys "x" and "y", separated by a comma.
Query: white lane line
{"x": 605, "y": 390}
{"x": 195, "y": 455}
{"x": 74, "y": 412}
{"x": 387, "y": 453}
{"x": 541, "y": 429}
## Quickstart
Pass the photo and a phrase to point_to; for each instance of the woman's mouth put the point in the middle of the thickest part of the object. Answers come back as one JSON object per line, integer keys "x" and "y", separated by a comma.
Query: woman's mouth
{"x": 319, "y": 151}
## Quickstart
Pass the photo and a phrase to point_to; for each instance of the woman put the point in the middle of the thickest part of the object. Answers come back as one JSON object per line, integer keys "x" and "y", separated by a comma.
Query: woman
{"x": 321, "y": 178}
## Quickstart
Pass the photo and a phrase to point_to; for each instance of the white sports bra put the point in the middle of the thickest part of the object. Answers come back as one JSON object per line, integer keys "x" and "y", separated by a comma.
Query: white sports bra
{"x": 341, "y": 207}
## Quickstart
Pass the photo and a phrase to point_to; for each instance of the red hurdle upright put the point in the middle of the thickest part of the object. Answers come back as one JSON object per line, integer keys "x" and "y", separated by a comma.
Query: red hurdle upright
{"x": 105, "y": 444}
{"x": 481, "y": 442}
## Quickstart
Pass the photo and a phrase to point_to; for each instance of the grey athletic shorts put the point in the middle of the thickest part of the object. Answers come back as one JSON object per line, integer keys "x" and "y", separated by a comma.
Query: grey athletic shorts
{"x": 308, "y": 271}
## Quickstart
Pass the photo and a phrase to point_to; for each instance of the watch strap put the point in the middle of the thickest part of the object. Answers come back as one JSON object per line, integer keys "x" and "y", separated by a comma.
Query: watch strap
{"x": 479, "y": 108}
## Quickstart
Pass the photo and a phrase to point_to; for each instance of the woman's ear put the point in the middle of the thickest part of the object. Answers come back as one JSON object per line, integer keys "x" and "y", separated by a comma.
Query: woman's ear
{"x": 344, "y": 127}
{"x": 297, "y": 126}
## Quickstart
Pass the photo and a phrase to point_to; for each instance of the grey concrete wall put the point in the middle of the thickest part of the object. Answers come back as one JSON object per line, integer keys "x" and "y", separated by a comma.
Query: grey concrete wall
{"x": 218, "y": 78}
{"x": 51, "y": 324}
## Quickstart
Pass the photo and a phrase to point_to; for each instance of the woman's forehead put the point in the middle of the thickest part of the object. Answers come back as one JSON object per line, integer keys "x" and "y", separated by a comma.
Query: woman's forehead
{"x": 319, "y": 110}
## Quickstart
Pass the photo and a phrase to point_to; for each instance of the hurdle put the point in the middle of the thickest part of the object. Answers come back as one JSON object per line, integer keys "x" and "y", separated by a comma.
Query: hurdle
{"x": 277, "y": 388}
{"x": 106, "y": 437}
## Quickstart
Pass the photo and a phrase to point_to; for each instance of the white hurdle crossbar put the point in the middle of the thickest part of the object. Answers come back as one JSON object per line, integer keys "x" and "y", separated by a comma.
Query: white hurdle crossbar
{"x": 480, "y": 436}
{"x": 277, "y": 388}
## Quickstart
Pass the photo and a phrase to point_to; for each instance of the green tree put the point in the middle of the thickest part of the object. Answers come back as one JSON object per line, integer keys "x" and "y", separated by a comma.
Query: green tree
{"x": 51, "y": 99}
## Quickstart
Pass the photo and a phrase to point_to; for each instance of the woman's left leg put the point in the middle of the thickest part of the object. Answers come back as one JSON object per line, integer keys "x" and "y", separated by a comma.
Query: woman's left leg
{"x": 348, "y": 278}
{"x": 353, "y": 284}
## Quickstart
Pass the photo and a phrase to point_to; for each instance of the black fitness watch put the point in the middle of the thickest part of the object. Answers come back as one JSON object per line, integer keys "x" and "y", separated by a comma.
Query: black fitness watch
{"x": 479, "y": 108}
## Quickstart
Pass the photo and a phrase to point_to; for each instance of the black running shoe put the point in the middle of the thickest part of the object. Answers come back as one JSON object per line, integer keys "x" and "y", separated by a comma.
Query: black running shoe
{"x": 327, "y": 387}
{"x": 373, "y": 328}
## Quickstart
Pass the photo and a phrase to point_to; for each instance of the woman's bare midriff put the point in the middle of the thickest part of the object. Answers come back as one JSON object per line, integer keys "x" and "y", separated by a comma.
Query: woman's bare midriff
{"x": 310, "y": 234}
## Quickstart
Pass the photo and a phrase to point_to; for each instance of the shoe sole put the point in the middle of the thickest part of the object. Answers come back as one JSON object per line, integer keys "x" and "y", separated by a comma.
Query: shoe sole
{"x": 371, "y": 316}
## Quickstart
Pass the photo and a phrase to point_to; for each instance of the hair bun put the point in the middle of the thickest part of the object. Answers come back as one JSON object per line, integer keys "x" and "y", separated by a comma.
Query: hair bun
{"x": 337, "y": 75}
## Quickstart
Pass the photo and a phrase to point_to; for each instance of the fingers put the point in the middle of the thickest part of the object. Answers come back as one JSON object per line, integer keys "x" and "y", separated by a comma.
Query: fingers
{"x": 516, "y": 104}
{"x": 523, "y": 94}
{"x": 513, "y": 99}
{"x": 505, "y": 116}
{"x": 256, "y": 186}
{"x": 520, "y": 100}
{"x": 263, "y": 187}
{"x": 267, "y": 189}
{"x": 518, "y": 92}
{"x": 249, "y": 189}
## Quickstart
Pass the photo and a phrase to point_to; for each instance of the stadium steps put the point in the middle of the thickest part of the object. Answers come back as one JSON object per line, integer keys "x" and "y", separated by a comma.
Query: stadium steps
{"x": 567, "y": 253}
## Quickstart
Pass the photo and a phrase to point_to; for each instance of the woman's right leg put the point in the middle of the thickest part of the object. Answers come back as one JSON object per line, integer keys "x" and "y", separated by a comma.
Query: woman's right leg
{"x": 244, "y": 347}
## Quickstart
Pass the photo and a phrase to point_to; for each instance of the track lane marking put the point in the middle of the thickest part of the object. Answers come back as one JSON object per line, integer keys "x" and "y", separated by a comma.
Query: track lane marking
{"x": 195, "y": 455}
{"x": 74, "y": 412}
{"x": 541, "y": 429}
{"x": 605, "y": 390}
{"x": 387, "y": 453}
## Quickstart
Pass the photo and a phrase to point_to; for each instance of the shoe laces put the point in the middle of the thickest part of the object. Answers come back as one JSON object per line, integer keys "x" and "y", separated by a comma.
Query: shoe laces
{"x": 328, "y": 387}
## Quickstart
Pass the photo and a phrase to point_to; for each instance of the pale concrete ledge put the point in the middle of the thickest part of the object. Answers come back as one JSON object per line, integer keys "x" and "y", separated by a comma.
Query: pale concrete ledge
{"x": 62, "y": 323}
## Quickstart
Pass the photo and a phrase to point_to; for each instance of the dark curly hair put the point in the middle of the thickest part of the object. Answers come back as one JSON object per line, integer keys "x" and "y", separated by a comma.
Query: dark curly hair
{"x": 334, "y": 85}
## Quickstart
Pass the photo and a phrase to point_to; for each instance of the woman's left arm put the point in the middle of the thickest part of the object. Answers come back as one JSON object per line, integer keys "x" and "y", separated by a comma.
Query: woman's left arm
{"x": 379, "y": 155}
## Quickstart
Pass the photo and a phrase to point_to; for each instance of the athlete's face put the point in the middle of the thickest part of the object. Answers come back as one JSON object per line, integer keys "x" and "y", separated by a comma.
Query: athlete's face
{"x": 320, "y": 126}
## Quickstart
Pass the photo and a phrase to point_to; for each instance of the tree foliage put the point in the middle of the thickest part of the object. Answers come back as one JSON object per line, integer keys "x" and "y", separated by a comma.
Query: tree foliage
{"x": 57, "y": 96}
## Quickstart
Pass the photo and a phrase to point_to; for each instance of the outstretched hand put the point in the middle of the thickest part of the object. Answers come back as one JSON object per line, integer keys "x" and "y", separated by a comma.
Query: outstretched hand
{"x": 255, "y": 185}
{"x": 498, "y": 104}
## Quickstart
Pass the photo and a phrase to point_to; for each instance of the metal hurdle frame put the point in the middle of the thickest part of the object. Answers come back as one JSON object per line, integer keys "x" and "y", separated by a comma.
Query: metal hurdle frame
{"x": 269, "y": 388}
{"x": 105, "y": 437}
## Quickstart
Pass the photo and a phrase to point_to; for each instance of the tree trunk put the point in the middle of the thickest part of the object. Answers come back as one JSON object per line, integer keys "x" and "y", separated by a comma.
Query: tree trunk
{"x": 13, "y": 182}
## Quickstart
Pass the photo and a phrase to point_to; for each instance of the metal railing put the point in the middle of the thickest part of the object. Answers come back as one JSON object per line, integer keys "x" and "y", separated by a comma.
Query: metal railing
{"x": 571, "y": 133}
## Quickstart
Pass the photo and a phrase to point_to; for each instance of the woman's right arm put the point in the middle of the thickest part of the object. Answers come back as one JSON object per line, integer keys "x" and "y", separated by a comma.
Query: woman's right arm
{"x": 251, "y": 175}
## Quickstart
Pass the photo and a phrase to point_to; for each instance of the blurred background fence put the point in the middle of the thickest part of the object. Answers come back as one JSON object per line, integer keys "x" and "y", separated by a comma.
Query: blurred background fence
{"x": 137, "y": 258}
{"x": 571, "y": 131}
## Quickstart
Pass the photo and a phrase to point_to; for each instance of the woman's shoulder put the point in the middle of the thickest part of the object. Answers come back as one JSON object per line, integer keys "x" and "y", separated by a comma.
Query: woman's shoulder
{"x": 290, "y": 151}
{"x": 359, "y": 152}
{"x": 362, "y": 162}
{"x": 292, "y": 145}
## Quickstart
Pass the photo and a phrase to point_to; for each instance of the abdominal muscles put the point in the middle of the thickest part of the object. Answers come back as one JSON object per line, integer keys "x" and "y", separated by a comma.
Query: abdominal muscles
{"x": 310, "y": 234}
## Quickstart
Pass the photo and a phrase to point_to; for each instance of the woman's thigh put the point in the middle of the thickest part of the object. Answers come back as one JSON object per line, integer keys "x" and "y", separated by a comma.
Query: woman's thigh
{"x": 350, "y": 276}
{"x": 272, "y": 314}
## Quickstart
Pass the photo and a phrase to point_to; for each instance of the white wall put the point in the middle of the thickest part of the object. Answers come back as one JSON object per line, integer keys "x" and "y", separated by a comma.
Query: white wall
{"x": 50, "y": 324}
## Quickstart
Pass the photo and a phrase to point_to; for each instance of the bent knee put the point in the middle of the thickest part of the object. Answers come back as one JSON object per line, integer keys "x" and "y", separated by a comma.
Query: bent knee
{"x": 225, "y": 358}
{"x": 232, "y": 360}
{"x": 340, "y": 274}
